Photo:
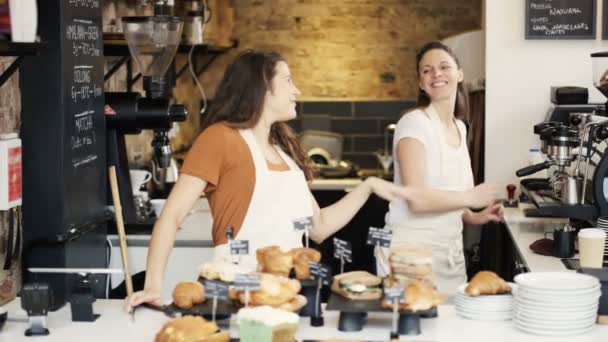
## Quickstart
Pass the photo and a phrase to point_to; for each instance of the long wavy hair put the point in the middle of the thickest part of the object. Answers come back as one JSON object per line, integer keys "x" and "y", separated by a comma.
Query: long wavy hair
{"x": 461, "y": 107}
{"x": 239, "y": 101}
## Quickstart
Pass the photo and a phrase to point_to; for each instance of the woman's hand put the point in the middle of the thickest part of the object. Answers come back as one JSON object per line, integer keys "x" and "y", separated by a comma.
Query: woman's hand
{"x": 386, "y": 190}
{"x": 139, "y": 297}
{"x": 494, "y": 213}
{"x": 481, "y": 196}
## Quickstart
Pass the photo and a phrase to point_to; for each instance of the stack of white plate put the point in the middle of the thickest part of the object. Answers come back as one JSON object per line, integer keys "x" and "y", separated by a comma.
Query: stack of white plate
{"x": 602, "y": 223}
{"x": 556, "y": 303}
{"x": 485, "y": 307}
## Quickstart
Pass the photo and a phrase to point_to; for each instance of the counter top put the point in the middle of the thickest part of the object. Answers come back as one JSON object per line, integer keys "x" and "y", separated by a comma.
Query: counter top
{"x": 526, "y": 230}
{"x": 447, "y": 327}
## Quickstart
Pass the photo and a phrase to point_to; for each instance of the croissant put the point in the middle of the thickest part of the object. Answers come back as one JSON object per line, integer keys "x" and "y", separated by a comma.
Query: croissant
{"x": 188, "y": 293}
{"x": 487, "y": 283}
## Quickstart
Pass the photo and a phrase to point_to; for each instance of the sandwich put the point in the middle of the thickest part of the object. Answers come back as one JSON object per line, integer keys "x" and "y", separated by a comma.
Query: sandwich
{"x": 358, "y": 285}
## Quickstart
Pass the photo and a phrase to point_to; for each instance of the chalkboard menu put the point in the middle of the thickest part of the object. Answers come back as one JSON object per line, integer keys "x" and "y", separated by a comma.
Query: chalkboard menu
{"x": 64, "y": 153}
{"x": 560, "y": 19}
{"x": 83, "y": 70}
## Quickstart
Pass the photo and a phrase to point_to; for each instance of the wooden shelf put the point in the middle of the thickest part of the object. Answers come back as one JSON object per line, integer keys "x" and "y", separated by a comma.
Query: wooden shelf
{"x": 19, "y": 50}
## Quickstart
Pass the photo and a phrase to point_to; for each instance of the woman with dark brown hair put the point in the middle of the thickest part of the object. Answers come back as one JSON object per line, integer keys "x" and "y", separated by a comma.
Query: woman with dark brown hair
{"x": 253, "y": 171}
{"x": 432, "y": 160}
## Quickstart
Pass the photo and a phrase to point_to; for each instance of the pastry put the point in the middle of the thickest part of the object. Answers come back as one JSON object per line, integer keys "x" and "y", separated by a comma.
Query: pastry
{"x": 191, "y": 328}
{"x": 273, "y": 260}
{"x": 222, "y": 270}
{"x": 266, "y": 324}
{"x": 358, "y": 285}
{"x": 301, "y": 257}
{"x": 274, "y": 291}
{"x": 188, "y": 293}
{"x": 487, "y": 283}
{"x": 418, "y": 297}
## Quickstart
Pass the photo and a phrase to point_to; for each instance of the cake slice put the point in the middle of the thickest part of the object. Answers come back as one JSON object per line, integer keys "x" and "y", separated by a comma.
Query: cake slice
{"x": 267, "y": 324}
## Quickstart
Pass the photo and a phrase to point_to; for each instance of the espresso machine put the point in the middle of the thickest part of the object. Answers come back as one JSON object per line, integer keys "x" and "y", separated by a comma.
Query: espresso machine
{"x": 576, "y": 155}
{"x": 152, "y": 42}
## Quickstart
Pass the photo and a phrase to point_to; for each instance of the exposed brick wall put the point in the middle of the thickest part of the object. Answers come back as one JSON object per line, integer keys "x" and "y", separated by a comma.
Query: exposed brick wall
{"x": 10, "y": 100}
{"x": 339, "y": 49}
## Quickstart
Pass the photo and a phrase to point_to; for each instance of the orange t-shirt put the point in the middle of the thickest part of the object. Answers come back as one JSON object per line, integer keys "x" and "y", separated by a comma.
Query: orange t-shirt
{"x": 221, "y": 157}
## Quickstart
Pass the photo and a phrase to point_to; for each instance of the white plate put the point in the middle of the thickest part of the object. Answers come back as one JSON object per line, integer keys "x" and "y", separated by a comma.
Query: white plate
{"x": 544, "y": 332}
{"x": 464, "y": 286}
{"x": 555, "y": 313}
{"x": 485, "y": 307}
{"x": 558, "y": 326}
{"x": 531, "y": 317}
{"x": 557, "y": 300}
{"x": 556, "y": 280}
{"x": 484, "y": 317}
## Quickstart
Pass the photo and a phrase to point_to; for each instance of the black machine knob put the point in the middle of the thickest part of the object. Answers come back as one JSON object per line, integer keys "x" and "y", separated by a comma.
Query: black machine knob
{"x": 178, "y": 113}
{"x": 528, "y": 170}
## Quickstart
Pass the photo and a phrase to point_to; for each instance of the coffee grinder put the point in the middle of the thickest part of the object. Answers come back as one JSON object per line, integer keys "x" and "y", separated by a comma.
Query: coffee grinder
{"x": 152, "y": 42}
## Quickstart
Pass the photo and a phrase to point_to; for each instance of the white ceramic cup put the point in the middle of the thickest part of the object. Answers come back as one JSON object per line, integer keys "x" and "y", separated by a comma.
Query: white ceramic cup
{"x": 157, "y": 205}
{"x": 139, "y": 178}
{"x": 591, "y": 247}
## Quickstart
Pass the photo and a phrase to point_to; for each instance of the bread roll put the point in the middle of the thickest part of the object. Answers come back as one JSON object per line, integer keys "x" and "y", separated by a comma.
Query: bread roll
{"x": 191, "y": 328}
{"x": 487, "y": 283}
{"x": 188, "y": 293}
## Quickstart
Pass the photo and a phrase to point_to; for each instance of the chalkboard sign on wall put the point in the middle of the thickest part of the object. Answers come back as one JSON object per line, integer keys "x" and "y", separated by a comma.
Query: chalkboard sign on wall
{"x": 560, "y": 19}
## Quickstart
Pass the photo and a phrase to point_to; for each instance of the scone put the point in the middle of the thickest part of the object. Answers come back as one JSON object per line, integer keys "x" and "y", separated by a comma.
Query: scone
{"x": 301, "y": 257}
{"x": 275, "y": 291}
{"x": 273, "y": 260}
{"x": 188, "y": 293}
{"x": 191, "y": 328}
{"x": 487, "y": 283}
{"x": 418, "y": 297}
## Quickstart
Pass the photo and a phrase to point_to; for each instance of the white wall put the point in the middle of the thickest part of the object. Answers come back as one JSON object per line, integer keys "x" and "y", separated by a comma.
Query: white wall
{"x": 519, "y": 74}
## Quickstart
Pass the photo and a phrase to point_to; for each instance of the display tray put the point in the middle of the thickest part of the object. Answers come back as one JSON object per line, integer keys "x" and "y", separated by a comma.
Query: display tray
{"x": 339, "y": 303}
{"x": 353, "y": 314}
{"x": 224, "y": 309}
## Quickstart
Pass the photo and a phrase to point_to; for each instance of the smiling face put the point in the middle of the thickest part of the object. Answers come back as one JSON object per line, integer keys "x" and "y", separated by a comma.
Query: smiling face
{"x": 280, "y": 99}
{"x": 439, "y": 75}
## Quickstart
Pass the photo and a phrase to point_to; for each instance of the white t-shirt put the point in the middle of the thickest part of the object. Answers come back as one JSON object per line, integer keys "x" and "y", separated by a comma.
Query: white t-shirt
{"x": 417, "y": 124}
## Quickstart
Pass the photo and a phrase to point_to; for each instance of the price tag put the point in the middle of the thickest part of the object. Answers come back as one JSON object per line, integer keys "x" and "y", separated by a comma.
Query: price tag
{"x": 214, "y": 288}
{"x": 379, "y": 237}
{"x": 302, "y": 223}
{"x": 343, "y": 250}
{"x": 394, "y": 293}
{"x": 239, "y": 247}
{"x": 248, "y": 281}
{"x": 320, "y": 271}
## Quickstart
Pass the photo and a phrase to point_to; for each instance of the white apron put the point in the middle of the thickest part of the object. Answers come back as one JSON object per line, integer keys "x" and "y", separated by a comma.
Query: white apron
{"x": 279, "y": 198}
{"x": 442, "y": 231}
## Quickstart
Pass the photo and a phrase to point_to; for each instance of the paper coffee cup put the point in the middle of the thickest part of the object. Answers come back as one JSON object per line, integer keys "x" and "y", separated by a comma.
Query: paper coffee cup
{"x": 591, "y": 247}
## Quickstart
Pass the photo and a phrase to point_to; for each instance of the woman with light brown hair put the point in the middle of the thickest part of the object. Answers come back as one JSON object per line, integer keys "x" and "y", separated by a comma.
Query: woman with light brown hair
{"x": 250, "y": 165}
{"x": 431, "y": 158}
